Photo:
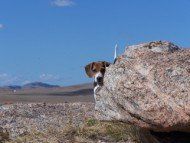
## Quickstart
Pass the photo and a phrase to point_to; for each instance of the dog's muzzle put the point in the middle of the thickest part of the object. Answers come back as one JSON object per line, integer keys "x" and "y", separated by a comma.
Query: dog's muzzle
{"x": 100, "y": 80}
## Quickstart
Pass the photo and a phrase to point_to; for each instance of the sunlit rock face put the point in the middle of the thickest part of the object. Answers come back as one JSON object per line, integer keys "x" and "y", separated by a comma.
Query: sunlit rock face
{"x": 148, "y": 86}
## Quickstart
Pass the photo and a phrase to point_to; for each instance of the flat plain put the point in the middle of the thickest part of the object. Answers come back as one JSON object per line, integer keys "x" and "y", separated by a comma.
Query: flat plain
{"x": 75, "y": 93}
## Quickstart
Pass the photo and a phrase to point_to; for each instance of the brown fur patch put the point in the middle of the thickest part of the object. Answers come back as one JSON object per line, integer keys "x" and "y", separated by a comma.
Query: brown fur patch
{"x": 95, "y": 67}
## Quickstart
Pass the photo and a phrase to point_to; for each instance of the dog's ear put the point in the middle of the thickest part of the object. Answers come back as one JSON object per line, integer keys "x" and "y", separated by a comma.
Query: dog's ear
{"x": 88, "y": 69}
{"x": 93, "y": 67}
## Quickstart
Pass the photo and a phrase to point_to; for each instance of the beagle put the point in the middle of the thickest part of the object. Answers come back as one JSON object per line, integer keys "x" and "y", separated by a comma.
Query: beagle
{"x": 97, "y": 71}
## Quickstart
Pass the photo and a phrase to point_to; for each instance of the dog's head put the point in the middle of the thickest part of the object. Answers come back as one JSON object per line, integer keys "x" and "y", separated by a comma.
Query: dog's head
{"x": 97, "y": 70}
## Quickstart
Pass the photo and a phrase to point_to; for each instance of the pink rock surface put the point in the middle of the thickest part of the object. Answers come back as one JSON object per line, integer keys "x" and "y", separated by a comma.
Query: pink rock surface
{"x": 148, "y": 86}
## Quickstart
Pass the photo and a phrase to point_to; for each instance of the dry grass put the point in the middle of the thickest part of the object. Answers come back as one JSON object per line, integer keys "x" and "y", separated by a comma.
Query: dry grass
{"x": 92, "y": 131}
{"x": 4, "y": 135}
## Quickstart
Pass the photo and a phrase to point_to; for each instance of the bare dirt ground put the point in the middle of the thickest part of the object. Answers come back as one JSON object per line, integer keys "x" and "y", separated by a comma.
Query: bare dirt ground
{"x": 76, "y": 93}
{"x": 7, "y": 99}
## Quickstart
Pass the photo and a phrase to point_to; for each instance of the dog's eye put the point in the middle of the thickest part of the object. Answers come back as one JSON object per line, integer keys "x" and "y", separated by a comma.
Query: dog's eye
{"x": 102, "y": 70}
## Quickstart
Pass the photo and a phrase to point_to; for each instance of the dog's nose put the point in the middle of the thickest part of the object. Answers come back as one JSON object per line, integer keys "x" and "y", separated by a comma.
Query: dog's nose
{"x": 99, "y": 79}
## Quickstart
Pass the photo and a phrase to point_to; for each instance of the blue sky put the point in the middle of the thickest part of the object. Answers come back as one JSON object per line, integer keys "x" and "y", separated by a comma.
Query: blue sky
{"x": 52, "y": 40}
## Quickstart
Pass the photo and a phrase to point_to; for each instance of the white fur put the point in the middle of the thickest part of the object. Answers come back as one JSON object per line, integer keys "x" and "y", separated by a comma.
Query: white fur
{"x": 99, "y": 74}
{"x": 97, "y": 87}
{"x": 95, "y": 90}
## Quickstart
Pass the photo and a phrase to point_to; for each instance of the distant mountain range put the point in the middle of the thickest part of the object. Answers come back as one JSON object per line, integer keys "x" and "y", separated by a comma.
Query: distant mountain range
{"x": 39, "y": 85}
{"x": 30, "y": 86}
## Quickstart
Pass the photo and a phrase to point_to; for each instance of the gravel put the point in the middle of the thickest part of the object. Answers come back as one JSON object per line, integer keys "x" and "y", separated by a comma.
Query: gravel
{"x": 21, "y": 119}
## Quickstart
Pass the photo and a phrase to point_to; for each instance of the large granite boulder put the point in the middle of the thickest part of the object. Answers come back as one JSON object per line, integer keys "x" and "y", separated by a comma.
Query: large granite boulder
{"x": 148, "y": 86}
